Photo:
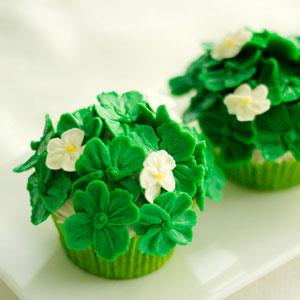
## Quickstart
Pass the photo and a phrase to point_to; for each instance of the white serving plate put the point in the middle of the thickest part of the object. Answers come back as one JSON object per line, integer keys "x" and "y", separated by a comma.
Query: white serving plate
{"x": 55, "y": 57}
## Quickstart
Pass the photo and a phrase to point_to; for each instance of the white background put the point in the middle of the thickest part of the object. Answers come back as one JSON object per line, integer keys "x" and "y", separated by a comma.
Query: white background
{"x": 56, "y": 56}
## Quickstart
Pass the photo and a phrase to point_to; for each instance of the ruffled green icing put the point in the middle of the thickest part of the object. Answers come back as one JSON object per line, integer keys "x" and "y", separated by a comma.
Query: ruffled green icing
{"x": 267, "y": 59}
{"x": 119, "y": 134}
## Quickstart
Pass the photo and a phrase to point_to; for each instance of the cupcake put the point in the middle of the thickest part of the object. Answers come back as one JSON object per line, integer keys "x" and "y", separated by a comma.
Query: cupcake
{"x": 247, "y": 92}
{"x": 119, "y": 180}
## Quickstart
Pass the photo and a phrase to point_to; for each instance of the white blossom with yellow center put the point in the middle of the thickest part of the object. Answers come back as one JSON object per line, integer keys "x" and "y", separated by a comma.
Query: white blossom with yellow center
{"x": 157, "y": 173}
{"x": 63, "y": 152}
{"x": 156, "y": 99}
{"x": 246, "y": 103}
{"x": 231, "y": 45}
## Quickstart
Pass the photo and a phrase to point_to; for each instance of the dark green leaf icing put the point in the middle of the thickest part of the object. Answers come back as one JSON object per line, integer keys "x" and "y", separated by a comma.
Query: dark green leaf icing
{"x": 105, "y": 189}
{"x": 267, "y": 59}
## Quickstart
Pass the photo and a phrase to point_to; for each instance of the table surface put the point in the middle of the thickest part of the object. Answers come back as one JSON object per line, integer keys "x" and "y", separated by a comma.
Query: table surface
{"x": 56, "y": 56}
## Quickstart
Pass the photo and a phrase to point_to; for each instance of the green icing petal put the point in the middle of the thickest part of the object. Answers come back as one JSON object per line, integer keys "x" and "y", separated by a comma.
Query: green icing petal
{"x": 156, "y": 242}
{"x": 84, "y": 119}
{"x": 131, "y": 185}
{"x": 118, "y": 111}
{"x": 187, "y": 176}
{"x": 276, "y": 120}
{"x": 176, "y": 142}
{"x": 48, "y": 190}
{"x": 99, "y": 193}
{"x": 145, "y": 137}
{"x": 125, "y": 158}
{"x": 174, "y": 205}
{"x": 279, "y": 131}
{"x": 82, "y": 182}
{"x": 182, "y": 233}
{"x": 162, "y": 116}
{"x": 57, "y": 192}
{"x": 282, "y": 48}
{"x": 153, "y": 214}
{"x": 234, "y": 153}
{"x": 79, "y": 231}
{"x": 181, "y": 84}
{"x": 214, "y": 182}
{"x": 39, "y": 211}
{"x": 121, "y": 209}
{"x": 83, "y": 202}
{"x": 95, "y": 157}
{"x": 259, "y": 40}
{"x": 30, "y": 163}
{"x": 214, "y": 81}
{"x": 202, "y": 64}
{"x": 112, "y": 241}
{"x": 146, "y": 115}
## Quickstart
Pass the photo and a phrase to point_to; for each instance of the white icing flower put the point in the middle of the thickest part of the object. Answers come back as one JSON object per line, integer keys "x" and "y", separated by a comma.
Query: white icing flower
{"x": 157, "y": 173}
{"x": 246, "y": 103}
{"x": 156, "y": 99}
{"x": 231, "y": 45}
{"x": 63, "y": 152}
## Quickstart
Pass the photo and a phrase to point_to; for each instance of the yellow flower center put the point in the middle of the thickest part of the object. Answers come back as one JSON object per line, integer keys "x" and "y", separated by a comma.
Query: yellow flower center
{"x": 230, "y": 42}
{"x": 247, "y": 100}
{"x": 160, "y": 176}
{"x": 70, "y": 148}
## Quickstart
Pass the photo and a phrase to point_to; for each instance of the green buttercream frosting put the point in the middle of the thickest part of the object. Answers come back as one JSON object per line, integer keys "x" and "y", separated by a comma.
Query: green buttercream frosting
{"x": 112, "y": 140}
{"x": 266, "y": 59}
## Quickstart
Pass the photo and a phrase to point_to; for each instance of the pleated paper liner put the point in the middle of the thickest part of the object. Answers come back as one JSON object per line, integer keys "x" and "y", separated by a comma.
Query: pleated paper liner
{"x": 267, "y": 175}
{"x": 132, "y": 264}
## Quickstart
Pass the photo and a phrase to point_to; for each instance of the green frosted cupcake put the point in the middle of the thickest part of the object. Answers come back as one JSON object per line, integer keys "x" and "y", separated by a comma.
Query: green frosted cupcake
{"x": 247, "y": 104}
{"x": 118, "y": 179}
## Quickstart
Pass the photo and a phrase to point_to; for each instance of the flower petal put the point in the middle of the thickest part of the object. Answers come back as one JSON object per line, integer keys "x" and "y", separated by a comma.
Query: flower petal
{"x": 182, "y": 232}
{"x": 54, "y": 161}
{"x": 167, "y": 161}
{"x": 174, "y": 204}
{"x": 79, "y": 231}
{"x": 122, "y": 210}
{"x": 243, "y": 90}
{"x": 243, "y": 36}
{"x": 147, "y": 178}
{"x": 168, "y": 182}
{"x": 73, "y": 137}
{"x": 56, "y": 145}
{"x": 111, "y": 241}
{"x": 232, "y": 101}
{"x": 68, "y": 163}
{"x": 244, "y": 113}
{"x": 99, "y": 193}
{"x": 152, "y": 192}
{"x": 261, "y": 92}
{"x": 156, "y": 242}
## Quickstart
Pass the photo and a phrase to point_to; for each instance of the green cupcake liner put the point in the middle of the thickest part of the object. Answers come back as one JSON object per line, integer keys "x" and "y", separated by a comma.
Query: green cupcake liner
{"x": 267, "y": 175}
{"x": 132, "y": 264}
